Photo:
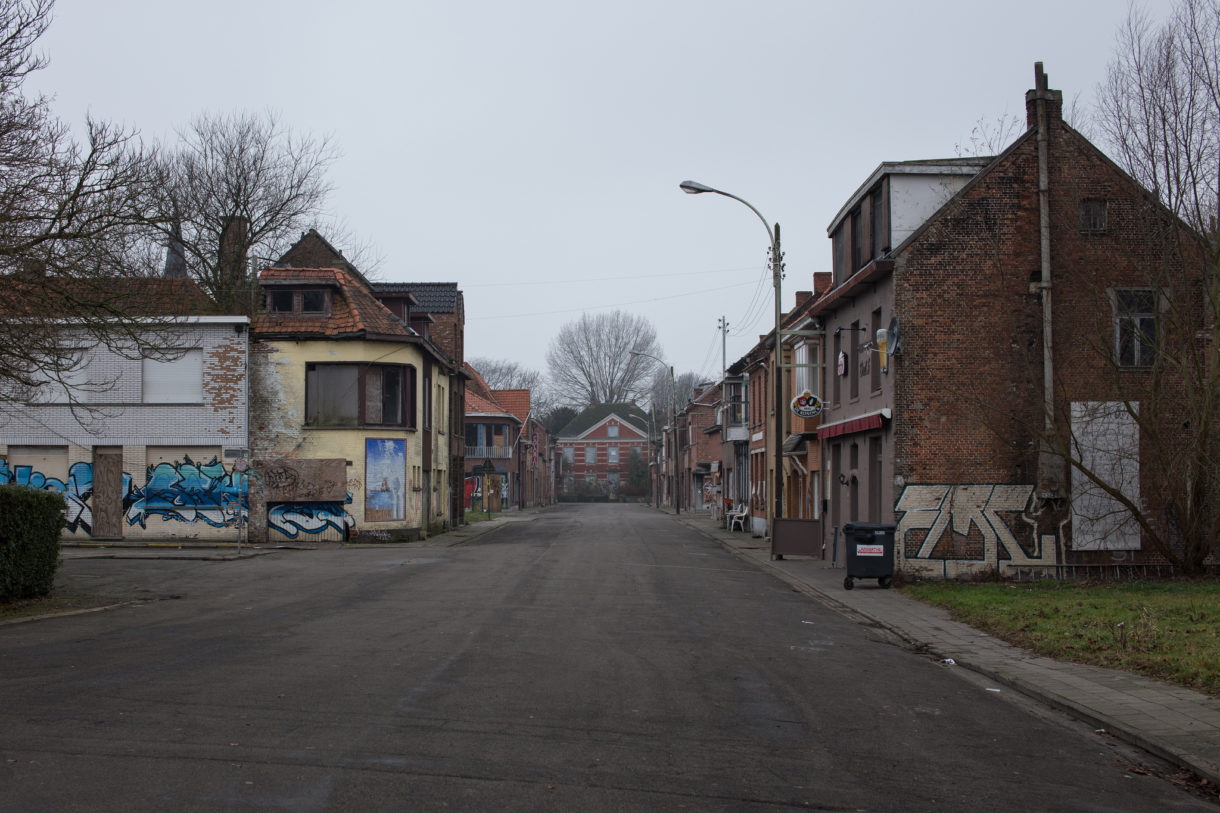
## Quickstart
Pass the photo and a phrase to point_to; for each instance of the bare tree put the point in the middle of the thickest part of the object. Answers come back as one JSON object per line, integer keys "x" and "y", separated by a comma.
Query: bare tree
{"x": 502, "y": 374}
{"x": 1159, "y": 113}
{"x": 591, "y": 360}
{"x": 74, "y": 221}
{"x": 238, "y": 190}
{"x": 680, "y": 388}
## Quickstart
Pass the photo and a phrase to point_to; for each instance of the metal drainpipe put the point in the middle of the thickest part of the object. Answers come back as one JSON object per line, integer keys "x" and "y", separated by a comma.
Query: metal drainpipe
{"x": 1048, "y": 474}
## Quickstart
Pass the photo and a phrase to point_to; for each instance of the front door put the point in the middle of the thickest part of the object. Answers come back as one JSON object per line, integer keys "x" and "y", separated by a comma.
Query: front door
{"x": 107, "y": 499}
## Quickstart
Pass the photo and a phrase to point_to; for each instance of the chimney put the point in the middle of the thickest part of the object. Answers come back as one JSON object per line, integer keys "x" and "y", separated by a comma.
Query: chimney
{"x": 175, "y": 255}
{"x": 1041, "y": 92}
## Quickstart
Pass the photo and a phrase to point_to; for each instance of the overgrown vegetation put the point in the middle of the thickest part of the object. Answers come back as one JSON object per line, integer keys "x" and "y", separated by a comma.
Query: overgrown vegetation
{"x": 1165, "y": 630}
{"x": 30, "y": 523}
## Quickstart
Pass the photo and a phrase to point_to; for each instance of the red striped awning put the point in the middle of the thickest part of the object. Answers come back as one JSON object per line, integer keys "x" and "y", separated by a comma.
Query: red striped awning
{"x": 847, "y": 427}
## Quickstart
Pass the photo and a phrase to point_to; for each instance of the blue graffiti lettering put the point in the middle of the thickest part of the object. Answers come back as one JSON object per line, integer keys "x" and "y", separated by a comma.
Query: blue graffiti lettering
{"x": 310, "y": 517}
{"x": 186, "y": 491}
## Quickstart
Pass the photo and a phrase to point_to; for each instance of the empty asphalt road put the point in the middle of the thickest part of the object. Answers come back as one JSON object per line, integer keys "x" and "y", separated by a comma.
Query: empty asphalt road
{"x": 597, "y": 658}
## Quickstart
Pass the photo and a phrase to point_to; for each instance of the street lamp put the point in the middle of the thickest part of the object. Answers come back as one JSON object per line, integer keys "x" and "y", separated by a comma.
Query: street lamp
{"x": 777, "y": 271}
{"x": 673, "y": 388}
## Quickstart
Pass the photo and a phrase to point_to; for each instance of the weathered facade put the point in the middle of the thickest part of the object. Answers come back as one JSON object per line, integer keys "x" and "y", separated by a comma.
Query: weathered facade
{"x": 342, "y": 386}
{"x": 145, "y": 447}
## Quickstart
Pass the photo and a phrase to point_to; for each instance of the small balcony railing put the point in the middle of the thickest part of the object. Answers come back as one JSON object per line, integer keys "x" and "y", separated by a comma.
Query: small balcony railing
{"x": 494, "y": 452}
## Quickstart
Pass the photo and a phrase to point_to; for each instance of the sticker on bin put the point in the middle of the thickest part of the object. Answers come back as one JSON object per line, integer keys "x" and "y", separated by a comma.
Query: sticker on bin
{"x": 870, "y": 550}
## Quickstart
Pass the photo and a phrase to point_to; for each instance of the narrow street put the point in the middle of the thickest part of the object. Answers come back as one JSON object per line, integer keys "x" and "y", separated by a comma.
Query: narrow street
{"x": 598, "y": 657}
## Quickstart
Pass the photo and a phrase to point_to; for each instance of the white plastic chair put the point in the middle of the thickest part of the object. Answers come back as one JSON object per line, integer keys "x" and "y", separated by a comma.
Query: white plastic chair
{"x": 738, "y": 517}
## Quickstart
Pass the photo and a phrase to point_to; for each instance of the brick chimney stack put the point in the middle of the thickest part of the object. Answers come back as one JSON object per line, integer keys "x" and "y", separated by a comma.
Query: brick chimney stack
{"x": 1041, "y": 91}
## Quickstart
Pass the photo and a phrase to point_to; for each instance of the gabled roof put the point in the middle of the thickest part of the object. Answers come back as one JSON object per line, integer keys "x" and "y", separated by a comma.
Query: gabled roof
{"x": 515, "y": 401}
{"x": 433, "y": 297}
{"x": 484, "y": 401}
{"x": 138, "y": 296}
{"x": 313, "y": 251}
{"x": 596, "y": 413}
{"x": 355, "y": 312}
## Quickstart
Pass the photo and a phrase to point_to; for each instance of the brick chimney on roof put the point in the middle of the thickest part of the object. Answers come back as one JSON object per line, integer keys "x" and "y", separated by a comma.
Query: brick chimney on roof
{"x": 1041, "y": 91}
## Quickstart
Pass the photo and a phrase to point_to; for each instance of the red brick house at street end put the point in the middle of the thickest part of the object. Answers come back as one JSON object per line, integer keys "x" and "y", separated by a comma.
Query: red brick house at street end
{"x": 596, "y": 446}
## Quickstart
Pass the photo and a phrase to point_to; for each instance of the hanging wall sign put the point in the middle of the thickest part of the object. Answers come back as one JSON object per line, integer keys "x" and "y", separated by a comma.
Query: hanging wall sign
{"x": 842, "y": 364}
{"x": 806, "y": 405}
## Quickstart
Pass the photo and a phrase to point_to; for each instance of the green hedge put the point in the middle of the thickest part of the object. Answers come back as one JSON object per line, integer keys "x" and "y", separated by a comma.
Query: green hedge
{"x": 30, "y": 523}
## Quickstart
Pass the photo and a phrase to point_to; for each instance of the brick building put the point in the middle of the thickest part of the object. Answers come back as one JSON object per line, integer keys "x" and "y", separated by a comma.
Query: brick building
{"x": 596, "y": 446}
{"x": 493, "y": 434}
{"x": 1011, "y": 301}
{"x": 699, "y": 449}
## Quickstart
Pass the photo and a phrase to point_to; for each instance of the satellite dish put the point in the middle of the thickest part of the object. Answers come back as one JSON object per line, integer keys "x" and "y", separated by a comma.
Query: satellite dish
{"x": 894, "y": 337}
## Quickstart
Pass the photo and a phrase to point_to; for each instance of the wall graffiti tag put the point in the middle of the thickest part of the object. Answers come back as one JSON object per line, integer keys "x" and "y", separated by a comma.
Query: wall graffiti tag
{"x": 186, "y": 491}
{"x": 989, "y": 523}
{"x": 295, "y": 518}
{"x": 183, "y": 491}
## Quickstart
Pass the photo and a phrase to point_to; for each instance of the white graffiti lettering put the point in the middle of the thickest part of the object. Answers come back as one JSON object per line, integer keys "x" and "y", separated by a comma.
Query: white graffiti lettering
{"x": 941, "y": 508}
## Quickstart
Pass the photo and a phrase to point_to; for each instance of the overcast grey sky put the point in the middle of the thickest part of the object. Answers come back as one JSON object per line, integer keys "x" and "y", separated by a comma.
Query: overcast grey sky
{"x": 531, "y": 151}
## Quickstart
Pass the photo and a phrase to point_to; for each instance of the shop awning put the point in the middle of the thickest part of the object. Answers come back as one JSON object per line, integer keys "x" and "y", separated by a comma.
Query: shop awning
{"x": 795, "y": 444}
{"x": 860, "y": 423}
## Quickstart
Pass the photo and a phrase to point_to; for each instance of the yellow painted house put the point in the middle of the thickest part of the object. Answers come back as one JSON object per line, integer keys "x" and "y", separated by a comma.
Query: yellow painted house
{"x": 349, "y": 409}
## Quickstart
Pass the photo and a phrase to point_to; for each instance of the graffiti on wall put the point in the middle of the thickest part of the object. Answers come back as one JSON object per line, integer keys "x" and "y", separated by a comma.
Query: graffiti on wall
{"x": 295, "y": 518}
{"x": 77, "y": 491}
{"x": 186, "y": 491}
{"x": 182, "y": 491}
{"x": 981, "y": 523}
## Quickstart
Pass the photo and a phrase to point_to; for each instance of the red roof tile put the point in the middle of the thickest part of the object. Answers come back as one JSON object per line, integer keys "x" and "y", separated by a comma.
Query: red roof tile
{"x": 354, "y": 309}
{"x": 515, "y": 401}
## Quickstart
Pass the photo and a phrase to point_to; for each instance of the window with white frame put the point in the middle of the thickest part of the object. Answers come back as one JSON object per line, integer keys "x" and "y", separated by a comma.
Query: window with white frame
{"x": 1135, "y": 328}
{"x": 804, "y": 376}
{"x": 611, "y": 454}
{"x": 612, "y": 430}
{"x": 590, "y": 454}
{"x": 175, "y": 378}
{"x": 569, "y": 453}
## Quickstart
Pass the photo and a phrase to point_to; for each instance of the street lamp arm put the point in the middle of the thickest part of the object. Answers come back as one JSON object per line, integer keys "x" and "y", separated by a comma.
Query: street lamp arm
{"x": 696, "y": 188}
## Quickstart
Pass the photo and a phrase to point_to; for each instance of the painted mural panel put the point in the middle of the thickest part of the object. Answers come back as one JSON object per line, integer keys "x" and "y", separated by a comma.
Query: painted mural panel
{"x": 385, "y": 472}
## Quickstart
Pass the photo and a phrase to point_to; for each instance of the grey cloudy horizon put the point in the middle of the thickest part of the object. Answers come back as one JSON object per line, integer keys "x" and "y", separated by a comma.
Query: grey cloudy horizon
{"x": 532, "y": 151}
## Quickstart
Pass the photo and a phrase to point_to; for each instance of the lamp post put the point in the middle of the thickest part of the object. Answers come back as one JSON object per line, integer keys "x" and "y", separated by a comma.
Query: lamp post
{"x": 673, "y": 387}
{"x": 777, "y": 271}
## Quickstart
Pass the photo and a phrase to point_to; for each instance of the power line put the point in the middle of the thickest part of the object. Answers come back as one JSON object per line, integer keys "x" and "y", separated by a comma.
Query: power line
{"x": 685, "y": 294}
{"x": 577, "y": 280}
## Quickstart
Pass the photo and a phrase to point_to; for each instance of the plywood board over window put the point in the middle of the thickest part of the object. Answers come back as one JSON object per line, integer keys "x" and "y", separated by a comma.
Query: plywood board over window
{"x": 1105, "y": 438}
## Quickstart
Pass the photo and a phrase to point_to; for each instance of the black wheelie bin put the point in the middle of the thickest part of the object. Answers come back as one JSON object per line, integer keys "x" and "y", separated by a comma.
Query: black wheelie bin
{"x": 870, "y": 552}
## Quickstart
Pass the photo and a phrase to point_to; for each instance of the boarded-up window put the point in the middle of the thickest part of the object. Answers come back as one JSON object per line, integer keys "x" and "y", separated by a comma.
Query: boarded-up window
{"x": 1105, "y": 438}
{"x": 176, "y": 379}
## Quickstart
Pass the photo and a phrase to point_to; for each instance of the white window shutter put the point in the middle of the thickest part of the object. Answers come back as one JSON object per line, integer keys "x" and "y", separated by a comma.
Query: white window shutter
{"x": 174, "y": 381}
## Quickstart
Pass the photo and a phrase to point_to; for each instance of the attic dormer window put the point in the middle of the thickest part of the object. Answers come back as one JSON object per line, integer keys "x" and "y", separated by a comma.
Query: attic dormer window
{"x": 315, "y": 302}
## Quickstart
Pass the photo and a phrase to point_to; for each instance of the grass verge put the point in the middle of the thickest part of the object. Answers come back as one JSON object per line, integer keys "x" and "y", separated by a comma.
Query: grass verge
{"x": 1165, "y": 630}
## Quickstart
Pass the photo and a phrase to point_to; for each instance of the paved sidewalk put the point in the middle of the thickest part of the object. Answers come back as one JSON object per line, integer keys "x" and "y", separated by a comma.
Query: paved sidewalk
{"x": 1178, "y": 725}
{"x": 214, "y": 550}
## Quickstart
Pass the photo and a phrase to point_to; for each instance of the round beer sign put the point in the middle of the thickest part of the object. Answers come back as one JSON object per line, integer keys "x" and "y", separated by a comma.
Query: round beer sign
{"x": 807, "y": 405}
